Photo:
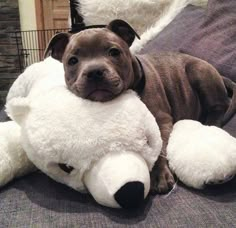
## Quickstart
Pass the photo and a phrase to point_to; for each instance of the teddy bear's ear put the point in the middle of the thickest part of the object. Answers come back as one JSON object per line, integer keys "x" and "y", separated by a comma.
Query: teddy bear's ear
{"x": 18, "y": 108}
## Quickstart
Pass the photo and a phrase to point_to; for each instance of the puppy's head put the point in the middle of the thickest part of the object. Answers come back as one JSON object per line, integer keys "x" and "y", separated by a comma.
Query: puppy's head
{"x": 97, "y": 62}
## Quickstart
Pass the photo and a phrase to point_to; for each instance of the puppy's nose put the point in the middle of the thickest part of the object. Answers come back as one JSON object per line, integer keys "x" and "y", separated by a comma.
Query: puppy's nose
{"x": 131, "y": 195}
{"x": 96, "y": 74}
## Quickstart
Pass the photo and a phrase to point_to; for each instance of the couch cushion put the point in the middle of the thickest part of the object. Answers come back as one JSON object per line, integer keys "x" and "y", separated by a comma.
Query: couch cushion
{"x": 215, "y": 39}
{"x": 3, "y": 115}
{"x": 38, "y": 201}
{"x": 177, "y": 32}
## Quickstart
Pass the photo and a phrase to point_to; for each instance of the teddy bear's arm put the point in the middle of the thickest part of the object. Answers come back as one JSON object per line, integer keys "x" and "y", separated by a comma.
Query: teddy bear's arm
{"x": 13, "y": 159}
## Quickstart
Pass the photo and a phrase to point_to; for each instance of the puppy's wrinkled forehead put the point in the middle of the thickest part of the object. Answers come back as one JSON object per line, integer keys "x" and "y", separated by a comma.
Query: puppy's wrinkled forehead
{"x": 95, "y": 40}
{"x": 118, "y": 33}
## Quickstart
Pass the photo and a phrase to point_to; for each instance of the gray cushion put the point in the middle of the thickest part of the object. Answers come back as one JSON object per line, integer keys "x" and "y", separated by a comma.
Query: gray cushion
{"x": 177, "y": 32}
{"x": 215, "y": 39}
{"x": 37, "y": 201}
{"x": 3, "y": 115}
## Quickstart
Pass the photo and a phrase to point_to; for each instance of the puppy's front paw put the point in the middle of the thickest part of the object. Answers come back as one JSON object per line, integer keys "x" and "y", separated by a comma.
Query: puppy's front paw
{"x": 162, "y": 180}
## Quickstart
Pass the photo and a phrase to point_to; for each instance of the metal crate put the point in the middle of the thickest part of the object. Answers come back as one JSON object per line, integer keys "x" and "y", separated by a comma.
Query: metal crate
{"x": 31, "y": 45}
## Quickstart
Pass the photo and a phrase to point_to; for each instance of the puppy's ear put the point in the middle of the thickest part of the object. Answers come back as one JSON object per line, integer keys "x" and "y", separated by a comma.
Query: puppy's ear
{"x": 57, "y": 46}
{"x": 124, "y": 30}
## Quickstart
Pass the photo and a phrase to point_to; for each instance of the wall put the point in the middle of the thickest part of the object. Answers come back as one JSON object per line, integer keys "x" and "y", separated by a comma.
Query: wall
{"x": 27, "y": 15}
{"x": 29, "y": 36}
{"x": 9, "y": 22}
{"x": 15, "y": 15}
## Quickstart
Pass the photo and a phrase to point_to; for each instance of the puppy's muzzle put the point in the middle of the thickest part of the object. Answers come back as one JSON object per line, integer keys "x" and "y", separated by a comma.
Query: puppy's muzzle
{"x": 95, "y": 74}
{"x": 99, "y": 82}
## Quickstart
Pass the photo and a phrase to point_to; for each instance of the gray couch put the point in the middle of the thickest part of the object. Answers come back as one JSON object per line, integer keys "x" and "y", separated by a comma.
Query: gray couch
{"x": 37, "y": 201}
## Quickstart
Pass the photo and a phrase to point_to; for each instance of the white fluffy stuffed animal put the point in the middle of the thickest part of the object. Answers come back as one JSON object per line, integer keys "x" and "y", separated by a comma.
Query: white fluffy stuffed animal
{"x": 108, "y": 148}
{"x": 105, "y": 148}
{"x": 201, "y": 155}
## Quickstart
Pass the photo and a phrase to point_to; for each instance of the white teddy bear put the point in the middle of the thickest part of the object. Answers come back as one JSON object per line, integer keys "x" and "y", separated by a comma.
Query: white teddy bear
{"x": 102, "y": 147}
{"x": 106, "y": 148}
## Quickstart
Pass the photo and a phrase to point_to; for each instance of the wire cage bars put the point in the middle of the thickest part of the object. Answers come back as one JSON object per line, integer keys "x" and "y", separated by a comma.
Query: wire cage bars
{"x": 31, "y": 45}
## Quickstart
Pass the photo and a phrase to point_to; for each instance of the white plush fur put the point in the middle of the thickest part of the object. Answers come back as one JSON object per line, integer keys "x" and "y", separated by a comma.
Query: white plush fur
{"x": 201, "y": 154}
{"x": 139, "y": 13}
{"x": 59, "y": 127}
{"x": 147, "y": 17}
{"x": 111, "y": 172}
{"x": 13, "y": 160}
{"x": 35, "y": 81}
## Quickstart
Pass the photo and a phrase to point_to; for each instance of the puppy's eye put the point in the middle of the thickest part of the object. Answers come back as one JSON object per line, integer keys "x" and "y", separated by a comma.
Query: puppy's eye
{"x": 66, "y": 168}
{"x": 72, "y": 61}
{"x": 114, "y": 52}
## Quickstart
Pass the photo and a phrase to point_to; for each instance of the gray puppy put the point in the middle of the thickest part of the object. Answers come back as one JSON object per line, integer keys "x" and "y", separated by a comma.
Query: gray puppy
{"x": 99, "y": 66}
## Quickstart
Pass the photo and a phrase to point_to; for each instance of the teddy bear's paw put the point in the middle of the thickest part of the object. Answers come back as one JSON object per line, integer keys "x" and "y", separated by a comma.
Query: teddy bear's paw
{"x": 6, "y": 171}
{"x": 220, "y": 181}
{"x": 201, "y": 155}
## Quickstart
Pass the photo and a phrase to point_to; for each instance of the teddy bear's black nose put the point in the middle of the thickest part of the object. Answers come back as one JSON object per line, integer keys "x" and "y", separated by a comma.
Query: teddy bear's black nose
{"x": 130, "y": 195}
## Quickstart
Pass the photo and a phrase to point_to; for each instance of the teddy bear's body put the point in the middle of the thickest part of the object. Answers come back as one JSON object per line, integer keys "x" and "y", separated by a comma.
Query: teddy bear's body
{"x": 57, "y": 127}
